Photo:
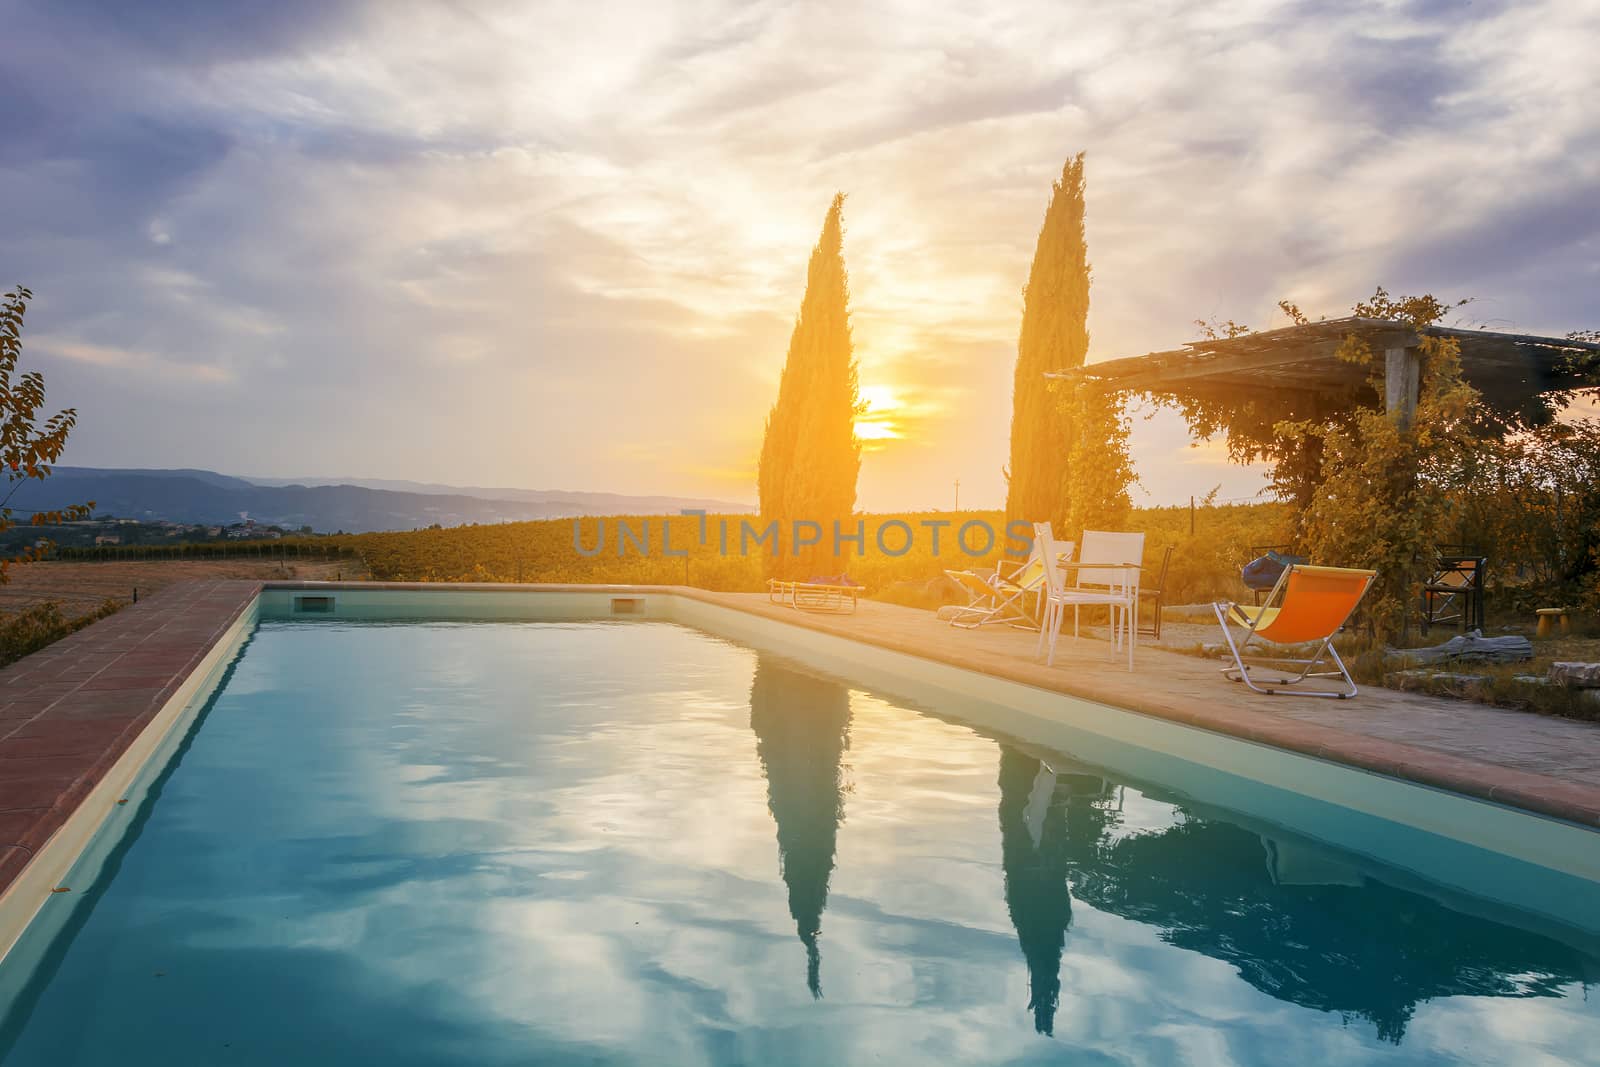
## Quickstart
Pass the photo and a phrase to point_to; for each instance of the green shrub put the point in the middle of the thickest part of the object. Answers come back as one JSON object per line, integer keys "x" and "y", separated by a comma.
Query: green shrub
{"x": 34, "y": 627}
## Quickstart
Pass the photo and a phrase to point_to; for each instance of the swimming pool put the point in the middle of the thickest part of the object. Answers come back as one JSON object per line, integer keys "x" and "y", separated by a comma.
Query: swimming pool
{"x": 440, "y": 841}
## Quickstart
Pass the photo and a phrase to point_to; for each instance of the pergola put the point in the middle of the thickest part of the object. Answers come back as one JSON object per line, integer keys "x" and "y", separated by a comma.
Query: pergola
{"x": 1513, "y": 371}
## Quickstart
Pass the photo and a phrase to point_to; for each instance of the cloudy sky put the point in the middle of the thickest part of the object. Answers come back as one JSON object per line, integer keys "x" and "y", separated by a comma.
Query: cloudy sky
{"x": 562, "y": 246}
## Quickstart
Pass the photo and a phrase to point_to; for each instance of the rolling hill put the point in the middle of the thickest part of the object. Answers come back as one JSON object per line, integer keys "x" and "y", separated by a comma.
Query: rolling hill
{"x": 201, "y": 496}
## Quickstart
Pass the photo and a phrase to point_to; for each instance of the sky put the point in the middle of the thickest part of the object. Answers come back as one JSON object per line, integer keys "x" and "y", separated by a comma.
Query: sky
{"x": 562, "y": 246}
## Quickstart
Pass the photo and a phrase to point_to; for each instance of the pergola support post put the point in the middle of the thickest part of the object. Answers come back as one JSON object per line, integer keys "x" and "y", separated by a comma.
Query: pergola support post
{"x": 1402, "y": 382}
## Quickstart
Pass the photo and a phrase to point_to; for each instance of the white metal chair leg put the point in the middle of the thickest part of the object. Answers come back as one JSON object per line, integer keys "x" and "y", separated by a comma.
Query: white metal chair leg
{"x": 1130, "y": 617}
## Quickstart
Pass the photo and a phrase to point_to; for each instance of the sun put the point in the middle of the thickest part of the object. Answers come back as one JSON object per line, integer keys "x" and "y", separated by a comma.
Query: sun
{"x": 877, "y": 422}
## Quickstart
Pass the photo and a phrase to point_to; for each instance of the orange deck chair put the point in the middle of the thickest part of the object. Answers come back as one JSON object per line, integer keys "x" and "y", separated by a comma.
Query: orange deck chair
{"x": 1308, "y": 604}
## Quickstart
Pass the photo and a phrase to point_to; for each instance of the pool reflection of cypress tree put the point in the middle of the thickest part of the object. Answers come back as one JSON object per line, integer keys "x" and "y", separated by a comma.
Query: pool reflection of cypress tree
{"x": 1035, "y": 804}
{"x": 802, "y": 722}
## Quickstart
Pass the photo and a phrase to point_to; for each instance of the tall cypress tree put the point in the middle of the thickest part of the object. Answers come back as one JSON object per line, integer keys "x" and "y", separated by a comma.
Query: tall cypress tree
{"x": 1054, "y": 337}
{"x": 810, "y": 456}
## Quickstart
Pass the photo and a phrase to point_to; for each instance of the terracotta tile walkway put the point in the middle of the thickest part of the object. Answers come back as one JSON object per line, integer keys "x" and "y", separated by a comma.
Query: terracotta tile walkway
{"x": 68, "y": 711}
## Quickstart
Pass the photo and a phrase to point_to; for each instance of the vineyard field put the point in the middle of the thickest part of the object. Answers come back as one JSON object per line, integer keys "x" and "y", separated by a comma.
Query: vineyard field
{"x": 1204, "y": 564}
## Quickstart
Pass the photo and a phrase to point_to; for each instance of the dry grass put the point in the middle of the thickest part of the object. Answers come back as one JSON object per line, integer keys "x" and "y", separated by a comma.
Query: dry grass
{"x": 81, "y": 588}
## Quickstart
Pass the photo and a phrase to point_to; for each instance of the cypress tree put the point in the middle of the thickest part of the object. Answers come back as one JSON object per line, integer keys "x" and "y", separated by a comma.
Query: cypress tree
{"x": 810, "y": 456}
{"x": 1054, "y": 337}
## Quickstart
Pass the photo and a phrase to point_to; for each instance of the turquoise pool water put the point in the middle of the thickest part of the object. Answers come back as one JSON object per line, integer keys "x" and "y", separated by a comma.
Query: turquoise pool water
{"x": 632, "y": 842}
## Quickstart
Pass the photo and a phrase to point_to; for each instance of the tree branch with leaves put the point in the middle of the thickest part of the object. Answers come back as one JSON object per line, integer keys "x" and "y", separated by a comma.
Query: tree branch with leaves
{"x": 29, "y": 442}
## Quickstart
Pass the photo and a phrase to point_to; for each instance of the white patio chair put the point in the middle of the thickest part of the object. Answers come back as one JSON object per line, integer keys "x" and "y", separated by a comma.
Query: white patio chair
{"x": 1107, "y": 575}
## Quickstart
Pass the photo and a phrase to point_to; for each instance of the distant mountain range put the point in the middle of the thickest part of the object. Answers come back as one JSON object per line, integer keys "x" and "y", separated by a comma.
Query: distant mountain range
{"x": 326, "y": 505}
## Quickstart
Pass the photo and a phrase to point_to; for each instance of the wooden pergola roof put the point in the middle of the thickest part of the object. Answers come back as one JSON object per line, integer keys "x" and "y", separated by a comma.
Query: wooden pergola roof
{"x": 1511, "y": 370}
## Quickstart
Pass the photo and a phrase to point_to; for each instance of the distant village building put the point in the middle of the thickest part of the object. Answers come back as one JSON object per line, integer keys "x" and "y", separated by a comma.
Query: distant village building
{"x": 108, "y": 539}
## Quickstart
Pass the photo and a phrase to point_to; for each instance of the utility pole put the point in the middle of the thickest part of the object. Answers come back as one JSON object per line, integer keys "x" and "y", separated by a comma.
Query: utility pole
{"x": 958, "y": 494}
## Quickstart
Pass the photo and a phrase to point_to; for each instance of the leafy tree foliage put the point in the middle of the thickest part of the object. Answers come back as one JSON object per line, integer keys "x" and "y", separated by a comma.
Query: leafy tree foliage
{"x": 1366, "y": 493}
{"x": 810, "y": 456}
{"x": 1384, "y": 500}
{"x": 1536, "y": 498}
{"x": 1054, "y": 337}
{"x": 27, "y": 446}
{"x": 1252, "y": 419}
{"x": 1094, "y": 466}
{"x": 1585, "y": 365}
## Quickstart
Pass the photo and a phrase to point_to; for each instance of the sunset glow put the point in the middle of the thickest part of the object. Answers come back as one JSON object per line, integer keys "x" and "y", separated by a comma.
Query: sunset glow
{"x": 877, "y": 423}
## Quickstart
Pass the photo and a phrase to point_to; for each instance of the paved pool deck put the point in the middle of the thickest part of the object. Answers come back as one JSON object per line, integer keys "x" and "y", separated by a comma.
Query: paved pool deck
{"x": 69, "y": 711}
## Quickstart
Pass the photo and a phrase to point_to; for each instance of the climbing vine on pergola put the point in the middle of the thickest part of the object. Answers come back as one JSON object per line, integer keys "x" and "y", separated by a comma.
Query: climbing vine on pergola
{"x": 1365, "y": 420}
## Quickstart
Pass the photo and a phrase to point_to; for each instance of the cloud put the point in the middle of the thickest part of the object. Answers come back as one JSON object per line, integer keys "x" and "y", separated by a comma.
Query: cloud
{"x": 488, "y": 242}
{"x": 127, "y": 359}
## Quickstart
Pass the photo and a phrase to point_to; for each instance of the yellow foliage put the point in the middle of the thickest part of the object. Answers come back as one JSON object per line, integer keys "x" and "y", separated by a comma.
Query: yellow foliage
{"x": 29, "y": 442}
